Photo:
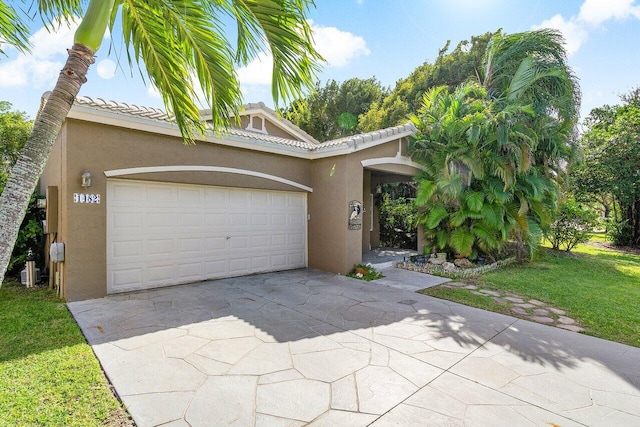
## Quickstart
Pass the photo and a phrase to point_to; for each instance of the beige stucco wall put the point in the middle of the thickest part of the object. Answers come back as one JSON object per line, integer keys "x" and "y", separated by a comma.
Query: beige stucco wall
{"x": 332, "y": 246}
{"x": 99, "y": 148}
{"x": 327, "y": 207}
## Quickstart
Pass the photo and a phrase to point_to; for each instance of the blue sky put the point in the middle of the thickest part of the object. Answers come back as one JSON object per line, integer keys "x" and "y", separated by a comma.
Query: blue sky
{"x": 383, "y": 38}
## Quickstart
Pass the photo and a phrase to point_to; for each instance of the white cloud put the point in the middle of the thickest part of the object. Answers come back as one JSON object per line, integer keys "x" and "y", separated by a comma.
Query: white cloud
{"x": 258, "y": 71}
{"x": 595, "y": 12}
{"x": 336, "y": 46}
{"x": 592, "y": 13}
{"x": 574, "y": 34}
{"x": 41, "y": 67}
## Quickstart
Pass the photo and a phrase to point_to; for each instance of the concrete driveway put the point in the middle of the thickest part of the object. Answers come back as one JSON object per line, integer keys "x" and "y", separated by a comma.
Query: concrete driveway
{"x": 307, "y": 347}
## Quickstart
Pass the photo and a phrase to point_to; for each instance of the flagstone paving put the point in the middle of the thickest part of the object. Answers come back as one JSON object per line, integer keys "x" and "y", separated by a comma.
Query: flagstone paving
{"x": 524, "y": 307}
{"x": 310, "y": 348}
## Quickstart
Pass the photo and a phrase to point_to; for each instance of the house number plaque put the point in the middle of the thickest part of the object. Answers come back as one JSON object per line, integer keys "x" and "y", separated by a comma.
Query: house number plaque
{"x": 86, "y": 198}
{"x": 355, "y": 215}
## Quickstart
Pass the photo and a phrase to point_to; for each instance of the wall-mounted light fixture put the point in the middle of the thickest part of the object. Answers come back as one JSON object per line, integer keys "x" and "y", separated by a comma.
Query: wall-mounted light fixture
{"x": 86, "y": 179}
{"x": 379, "y": 189}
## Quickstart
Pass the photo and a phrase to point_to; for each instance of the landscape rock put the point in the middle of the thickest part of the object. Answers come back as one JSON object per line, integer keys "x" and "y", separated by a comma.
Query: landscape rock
{"x": 463, "y": 263}
{"x": 449, "y": 266}
{"x": 437, "y": 261}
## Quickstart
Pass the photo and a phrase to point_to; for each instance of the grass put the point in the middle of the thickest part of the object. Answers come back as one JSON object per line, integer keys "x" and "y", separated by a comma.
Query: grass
{"x": 599, "y": 288}
{"x": 49, "y": 375}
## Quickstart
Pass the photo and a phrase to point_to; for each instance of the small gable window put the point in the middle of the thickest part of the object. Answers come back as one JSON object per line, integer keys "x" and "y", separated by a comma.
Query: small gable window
{"x": 257, "y": 124}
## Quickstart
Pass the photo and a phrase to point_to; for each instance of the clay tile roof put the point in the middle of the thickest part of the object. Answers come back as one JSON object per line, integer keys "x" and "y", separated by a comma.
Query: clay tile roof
{"x": 124, "y": 108}
{"x": 311, "y": 144}
{"x": 356, "y": 140}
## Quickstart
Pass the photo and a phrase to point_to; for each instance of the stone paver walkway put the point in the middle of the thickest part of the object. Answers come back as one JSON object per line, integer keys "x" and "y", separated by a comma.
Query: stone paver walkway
{"x": 524, "y": 307}
{"x": 311, "y": 348}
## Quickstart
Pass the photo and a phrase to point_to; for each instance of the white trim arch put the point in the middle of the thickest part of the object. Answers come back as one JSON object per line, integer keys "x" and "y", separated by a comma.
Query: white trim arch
{"x": 194, "y": 168}
{"x": 398, "y": 160}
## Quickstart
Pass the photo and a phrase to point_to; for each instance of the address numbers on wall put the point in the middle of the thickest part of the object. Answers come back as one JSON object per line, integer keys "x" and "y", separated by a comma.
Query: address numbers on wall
{"x": 86, "y": 198}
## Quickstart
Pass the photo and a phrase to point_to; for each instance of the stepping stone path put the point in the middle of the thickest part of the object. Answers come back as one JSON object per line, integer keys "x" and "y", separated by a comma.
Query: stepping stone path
{"x": 523, "y": 307}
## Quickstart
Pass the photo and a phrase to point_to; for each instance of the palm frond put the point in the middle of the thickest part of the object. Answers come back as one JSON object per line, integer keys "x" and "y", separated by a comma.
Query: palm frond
{"x": 13, "y": 30}
{"x": 284, "y": 28}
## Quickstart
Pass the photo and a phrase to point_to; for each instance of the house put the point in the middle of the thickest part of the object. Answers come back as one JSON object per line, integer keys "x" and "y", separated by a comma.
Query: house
{"x": 136, "y": 208}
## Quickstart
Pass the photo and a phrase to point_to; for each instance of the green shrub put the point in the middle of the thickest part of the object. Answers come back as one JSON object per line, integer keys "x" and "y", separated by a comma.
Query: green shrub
{"x": 620, "y": 233}
{"x": 365, "y": 272}
{"x": 573, "y": 225}
{"x": 398, "y": 222}
{"x": 29, "y": 237}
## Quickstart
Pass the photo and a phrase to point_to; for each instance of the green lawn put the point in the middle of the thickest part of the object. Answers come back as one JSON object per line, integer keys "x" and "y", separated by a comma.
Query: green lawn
{"x": 49, "y": 375}
{"x": 599, "y": 288}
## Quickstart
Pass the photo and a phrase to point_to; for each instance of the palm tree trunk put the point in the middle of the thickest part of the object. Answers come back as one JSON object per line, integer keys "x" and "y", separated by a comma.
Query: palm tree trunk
{"x": 35, "y": 153}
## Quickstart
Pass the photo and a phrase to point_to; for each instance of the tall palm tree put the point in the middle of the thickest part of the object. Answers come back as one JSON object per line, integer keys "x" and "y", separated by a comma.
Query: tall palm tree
{"x": 180, "y": 42}
{"x": 530, "y": 68}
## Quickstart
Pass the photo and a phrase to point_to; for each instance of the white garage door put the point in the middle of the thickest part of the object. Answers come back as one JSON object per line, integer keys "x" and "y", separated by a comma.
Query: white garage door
{"x": 162, "y": 234}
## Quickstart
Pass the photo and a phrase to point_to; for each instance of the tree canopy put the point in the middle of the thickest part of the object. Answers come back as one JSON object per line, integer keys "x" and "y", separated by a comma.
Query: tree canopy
{"x": 449, "y": 68}
{"x": 332, "y": 111}
{"x": 15, "y": 128}
{"x": 611, "y": 165}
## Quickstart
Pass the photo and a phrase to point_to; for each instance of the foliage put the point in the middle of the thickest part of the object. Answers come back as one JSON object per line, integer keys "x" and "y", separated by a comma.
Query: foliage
{"x": 48, "y": 373}
{"x": 398, "y": 221}
{"x": 611, "y": 165}
{"x": 620, "y": 233}
{"x": 489, "y": 163}
{"x": 14, "y": 131}
{"x": 29, "y": 238}
{"x": 364, "y": 272}
{"x": 573, "y": 224}
{"x": 449, "y": 68}
{"x": 332, "y": 111}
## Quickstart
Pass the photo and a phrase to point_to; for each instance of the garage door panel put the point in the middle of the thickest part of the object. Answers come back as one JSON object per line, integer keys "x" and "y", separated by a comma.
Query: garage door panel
{"x": 239, "y": 219}
{"x": 192, "y": 245}
{"x": 161, "y": 220}
{"x": 216, "y": 219}
{"x": 190, "y": 271}
{"x": 215, "y": 244}
{"x": 279, "y": 260}
{"x": 162, "y": 234}
{"x": 260, "y": 241}
{"x": 128, "y": 278}
{"x": 296, "y": 260}
{"x": 279, "y": 200}
{"x": 127, "y": 219}
{"x": 260, "y": 263}
{"x": 190, "y": 220}
{"x": 259, "y": 199}
{"x": 160, "y": 273}
{"x": 259, "y": 219}
{"x": 160, "y": 246}
{"x": 239, "y": 265}
{"x": 239, "y": 199}
{"x": 160, "y": 195}
{"x": 216, "y": 197}
{"x": 189, "y": 197}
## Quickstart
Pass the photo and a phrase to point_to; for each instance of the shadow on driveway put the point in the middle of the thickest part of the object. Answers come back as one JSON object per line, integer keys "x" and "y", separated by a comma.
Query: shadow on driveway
{"x": 305, "y": 346}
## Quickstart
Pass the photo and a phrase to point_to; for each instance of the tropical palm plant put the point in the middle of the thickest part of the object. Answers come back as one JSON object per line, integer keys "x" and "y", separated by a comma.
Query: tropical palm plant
{"x": 182, "y": 44}
{"x": 492, "y": 150}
